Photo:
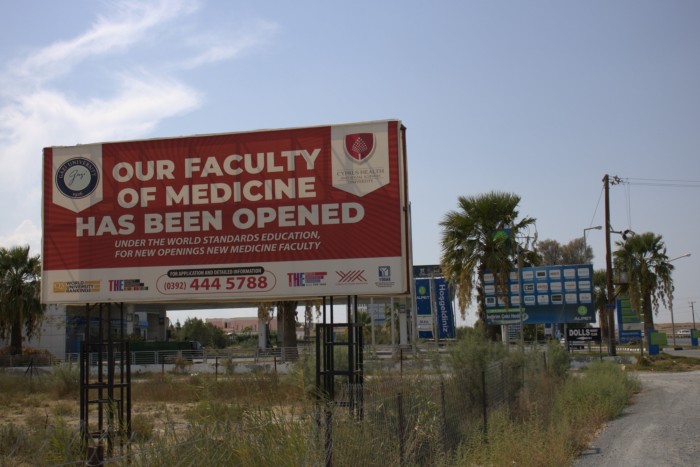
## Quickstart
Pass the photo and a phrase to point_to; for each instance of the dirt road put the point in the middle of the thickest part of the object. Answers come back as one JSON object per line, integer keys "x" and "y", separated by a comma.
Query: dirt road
{"x": 661, "y": 427}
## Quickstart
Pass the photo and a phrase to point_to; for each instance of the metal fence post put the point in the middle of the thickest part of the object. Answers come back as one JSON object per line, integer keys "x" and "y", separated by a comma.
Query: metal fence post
{"x": 444, "y": 416}
{"x": 483, "y": 404}
{"x": 329, "y": 437}
{"x": 399, "y": 402}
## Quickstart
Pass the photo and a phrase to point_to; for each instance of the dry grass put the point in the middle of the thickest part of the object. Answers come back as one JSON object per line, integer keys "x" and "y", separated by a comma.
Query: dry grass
{"x": 265, "y": 419}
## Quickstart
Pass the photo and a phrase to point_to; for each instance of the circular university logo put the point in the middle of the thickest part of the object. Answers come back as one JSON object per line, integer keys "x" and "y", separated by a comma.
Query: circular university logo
{"x": 77, "y": 177}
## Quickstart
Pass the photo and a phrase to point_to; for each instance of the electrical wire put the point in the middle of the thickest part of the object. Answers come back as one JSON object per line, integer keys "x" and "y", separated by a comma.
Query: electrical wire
{"x": 661, "y": 182}
{"x": 600, "y": 196}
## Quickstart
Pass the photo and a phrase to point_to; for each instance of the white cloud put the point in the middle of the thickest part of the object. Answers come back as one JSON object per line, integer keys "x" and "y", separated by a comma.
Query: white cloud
{"x": 26, "y": 233}
{"x": 218, "y": 48}
{"x": 108, "y": 35}
{"x": 49, "y": 118}
{"x": 37, "y": 109}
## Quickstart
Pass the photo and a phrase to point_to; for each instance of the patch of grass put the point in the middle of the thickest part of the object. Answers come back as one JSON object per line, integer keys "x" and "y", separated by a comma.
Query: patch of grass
{"x": 600, "y": 395}
{"x": 65, "y": 381}
{"x": 14, "y": 442}
{"x": 666, "y": 362}
{"x": 529, "y": 443}
{"x": 63, "y": 409}
{"x": 554, "y": 419}
{"x": 142, "y": 428}
{"x": 269, "y": 419}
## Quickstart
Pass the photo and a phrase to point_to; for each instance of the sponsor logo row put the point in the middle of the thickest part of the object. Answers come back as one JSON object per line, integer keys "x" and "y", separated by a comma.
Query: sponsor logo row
{"x": 349, "y": 277}
{"x": 113, "y": 285}
{"x": 295, "y": 279}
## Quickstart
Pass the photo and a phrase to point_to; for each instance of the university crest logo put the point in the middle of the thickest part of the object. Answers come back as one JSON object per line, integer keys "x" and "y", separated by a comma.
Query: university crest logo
{"x": 77, "y": 177}
{"x": 360, "y": 146}
{"x": 360, "y": 157}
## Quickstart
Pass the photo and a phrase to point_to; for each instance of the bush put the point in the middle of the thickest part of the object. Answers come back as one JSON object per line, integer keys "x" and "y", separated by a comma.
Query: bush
{"x": 65, "y": 380}
{"x": 558, "y": 359}
{"x": 14, "y": 442}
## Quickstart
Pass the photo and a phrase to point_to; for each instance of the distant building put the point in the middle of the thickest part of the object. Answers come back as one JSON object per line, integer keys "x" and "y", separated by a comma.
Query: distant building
{"x": 239, "y": 325}
{"x": 65, "y": 327}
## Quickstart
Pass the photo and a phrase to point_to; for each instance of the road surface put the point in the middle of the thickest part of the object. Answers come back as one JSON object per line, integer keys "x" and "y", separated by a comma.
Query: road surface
{"x": 661, "y": 427}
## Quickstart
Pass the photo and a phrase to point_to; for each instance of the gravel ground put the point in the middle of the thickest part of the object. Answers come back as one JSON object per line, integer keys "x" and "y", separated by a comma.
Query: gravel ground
{"x": 660, "y": 428}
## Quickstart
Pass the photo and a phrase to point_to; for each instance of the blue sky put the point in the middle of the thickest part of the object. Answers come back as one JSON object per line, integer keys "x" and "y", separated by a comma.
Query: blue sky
{"x": 538, "y": 98}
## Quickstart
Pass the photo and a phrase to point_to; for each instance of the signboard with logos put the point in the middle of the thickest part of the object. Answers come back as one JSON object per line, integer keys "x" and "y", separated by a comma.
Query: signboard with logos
{"x": 424, "y": 311}
{"x": 269, "y": 214}
{"x": 434, "y": 309}
{"x": 628, "y": 323}
{"x": 550, "y": 294}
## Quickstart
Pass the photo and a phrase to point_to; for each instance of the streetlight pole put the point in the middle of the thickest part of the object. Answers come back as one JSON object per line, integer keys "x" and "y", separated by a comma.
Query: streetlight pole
{"x": 673, "y": 322}
{"x": 597, "y": 227}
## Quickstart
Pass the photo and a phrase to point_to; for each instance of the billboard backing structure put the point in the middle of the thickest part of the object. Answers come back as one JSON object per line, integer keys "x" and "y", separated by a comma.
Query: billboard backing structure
{"x": 262, "y": 215}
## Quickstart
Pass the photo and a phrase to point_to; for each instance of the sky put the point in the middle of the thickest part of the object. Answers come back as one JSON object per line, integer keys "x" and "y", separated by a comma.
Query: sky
{"x": 538, "y": 98}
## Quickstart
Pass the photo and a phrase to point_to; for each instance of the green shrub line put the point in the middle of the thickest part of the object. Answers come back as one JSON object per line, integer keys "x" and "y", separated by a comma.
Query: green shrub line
{"x": 480, "y": 404}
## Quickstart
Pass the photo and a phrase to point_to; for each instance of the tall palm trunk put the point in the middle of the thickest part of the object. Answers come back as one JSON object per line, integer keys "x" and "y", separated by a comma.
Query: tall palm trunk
{"x": 16, "y": 338}
{"x": 648, "y": 313}
{"x": 287, "y": 330}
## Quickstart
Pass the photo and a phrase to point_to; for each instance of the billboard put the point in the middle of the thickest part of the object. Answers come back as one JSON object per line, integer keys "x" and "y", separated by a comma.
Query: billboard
{"x": 434, "y": 299}
{"x": 629, "y": 326}
{"x": 424, "y": 310}
{"x": 271, "y": 214}
{"x": 550, "y": 294}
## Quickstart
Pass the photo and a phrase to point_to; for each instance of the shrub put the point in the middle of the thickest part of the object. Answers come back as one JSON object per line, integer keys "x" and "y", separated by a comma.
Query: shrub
{"x": 14, "y": 442}
{"x": 558, "y": 359}
{"x": 65, "y": 380}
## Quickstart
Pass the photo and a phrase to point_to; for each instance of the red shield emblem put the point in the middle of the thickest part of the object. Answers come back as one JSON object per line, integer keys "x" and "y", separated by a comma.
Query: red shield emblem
{"x": 359, "y": 146}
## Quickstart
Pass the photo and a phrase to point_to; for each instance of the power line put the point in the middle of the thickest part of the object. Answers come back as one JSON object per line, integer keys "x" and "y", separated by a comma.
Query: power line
{"x": 661, "y": 182}
{"x": 600, "y": 196}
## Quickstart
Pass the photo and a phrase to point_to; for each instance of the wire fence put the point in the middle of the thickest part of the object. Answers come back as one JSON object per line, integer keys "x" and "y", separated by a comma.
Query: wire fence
{"x": 419, "y": 415}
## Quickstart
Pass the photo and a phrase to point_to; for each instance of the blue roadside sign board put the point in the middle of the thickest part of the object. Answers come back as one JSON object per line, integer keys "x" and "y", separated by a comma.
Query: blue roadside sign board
{"x": 550, "y": 294}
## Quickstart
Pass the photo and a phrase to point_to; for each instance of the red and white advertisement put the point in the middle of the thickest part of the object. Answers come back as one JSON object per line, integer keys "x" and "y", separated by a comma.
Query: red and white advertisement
{"x": 254, "y": 216}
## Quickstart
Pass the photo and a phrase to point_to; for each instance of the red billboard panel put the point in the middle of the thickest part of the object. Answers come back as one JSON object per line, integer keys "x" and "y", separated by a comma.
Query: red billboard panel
{"x": 271, "y": 214}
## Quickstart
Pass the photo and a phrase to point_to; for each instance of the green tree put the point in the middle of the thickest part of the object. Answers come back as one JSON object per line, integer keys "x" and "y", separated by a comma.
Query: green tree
{"x": 550, "y": 252}
{"x": 643, "y": 258}
{"x": 481, "y": 235}
{"x": 20, "y": 306}
{"x": 575, "y": 252}
{"x": 207, "y": 334}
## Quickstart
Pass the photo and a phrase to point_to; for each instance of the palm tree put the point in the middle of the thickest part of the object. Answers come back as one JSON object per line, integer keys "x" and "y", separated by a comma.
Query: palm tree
{"x": 19, "y": 295}
{"x": 643, "y": 257}
{"x": 287, "y": 329}
{"x": 477, "y": 237}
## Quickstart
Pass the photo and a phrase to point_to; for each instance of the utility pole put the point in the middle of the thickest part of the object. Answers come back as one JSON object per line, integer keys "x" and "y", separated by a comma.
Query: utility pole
{"x": 610, "y": 307}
